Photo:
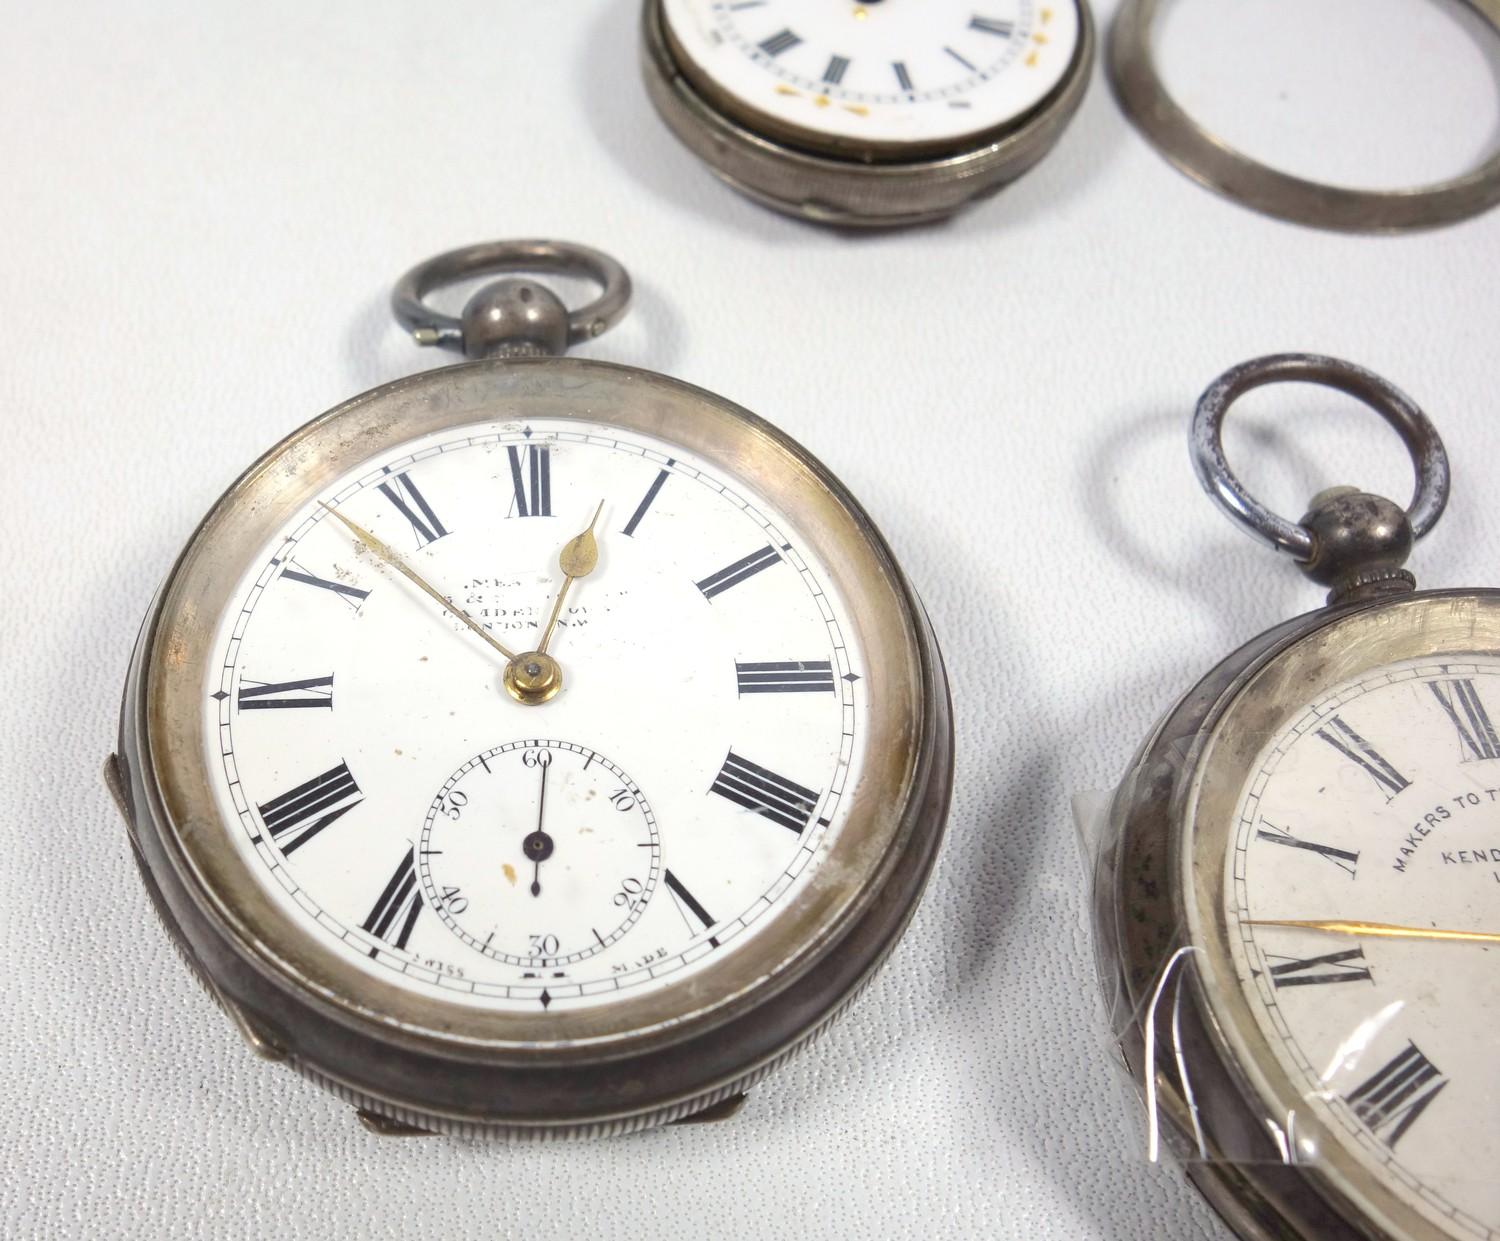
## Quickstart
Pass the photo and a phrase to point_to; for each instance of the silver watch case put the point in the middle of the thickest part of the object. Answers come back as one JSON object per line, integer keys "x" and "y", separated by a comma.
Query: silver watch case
{"x": 847, "y": 191}
{"x": 418, "y": 1077}
{"x": 1139, "y": 924}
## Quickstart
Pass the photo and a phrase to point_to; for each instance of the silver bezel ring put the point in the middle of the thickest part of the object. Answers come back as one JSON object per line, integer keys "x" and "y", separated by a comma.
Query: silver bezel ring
{"x": 1213, "y": 163}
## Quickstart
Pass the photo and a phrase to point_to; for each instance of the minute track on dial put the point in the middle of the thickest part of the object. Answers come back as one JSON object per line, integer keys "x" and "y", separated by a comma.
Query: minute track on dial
{"x": 868, "y": 115}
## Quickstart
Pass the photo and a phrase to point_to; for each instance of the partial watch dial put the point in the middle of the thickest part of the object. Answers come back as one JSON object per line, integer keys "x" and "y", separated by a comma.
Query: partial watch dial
{"x": 884, "y": 75}
{"x": 1363, "y": 906}
{"x": 535, "y": 716}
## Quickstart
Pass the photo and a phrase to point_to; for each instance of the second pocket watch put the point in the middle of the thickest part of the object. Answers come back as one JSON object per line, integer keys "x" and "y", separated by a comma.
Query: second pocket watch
{"x": 534, "y": 746}
{"x": 1297, "y": 909}
{"x": 880, "y": 113}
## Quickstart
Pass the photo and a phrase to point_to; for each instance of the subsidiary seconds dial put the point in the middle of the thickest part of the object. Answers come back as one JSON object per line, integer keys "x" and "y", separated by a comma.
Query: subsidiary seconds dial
{"x": 539, "y": 853}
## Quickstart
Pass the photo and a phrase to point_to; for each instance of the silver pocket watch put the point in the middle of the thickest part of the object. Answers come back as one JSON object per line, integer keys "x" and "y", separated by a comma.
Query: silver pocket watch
{"x": 877, "y": 114}
{"x": 534, "y": 746}
{"x": 1298, "y": 895}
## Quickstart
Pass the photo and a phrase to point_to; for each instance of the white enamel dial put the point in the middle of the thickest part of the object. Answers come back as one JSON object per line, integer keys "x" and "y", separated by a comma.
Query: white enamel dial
{"x": 892, "y": 72}
{"x": 387, "y": 790}
{"x": 1380, "y": 804}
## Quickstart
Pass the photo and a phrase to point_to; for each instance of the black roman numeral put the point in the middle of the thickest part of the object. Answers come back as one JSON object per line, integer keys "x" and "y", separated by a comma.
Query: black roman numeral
{"x": 269, "y": 695}
{"x": 1352, "y": 746}
{"x": 965, "y": 63}
{"x": 1390, "y": 1101}
{"x": 1476, "y": 734}
{"x": 1295, "y": 972}
{"x": 531, "y": 479}
{"x": 992, "y": 25}
{"x": 903, "y": 78}
{"x": 779, "y": 42}
{"x": 837, "y": 67}
{"x": 301, "y": 813}
{"x": 352, "y": 595}
{"x": 733, "y": 575}
{"x": 804, "y": 676}
{"x": 690, "y": 903}
{"x": 640, "y": 509}
{"x": 1342, "y": 858}
{"x": 759, "y": 789}
{"x": 396, "y": 911}
{"x": 412, "y": 505}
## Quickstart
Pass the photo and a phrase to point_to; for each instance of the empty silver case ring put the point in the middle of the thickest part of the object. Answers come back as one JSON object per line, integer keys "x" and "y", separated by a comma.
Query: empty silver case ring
{"x": 850, "y": 192}
{"x": 1212, "y": 163}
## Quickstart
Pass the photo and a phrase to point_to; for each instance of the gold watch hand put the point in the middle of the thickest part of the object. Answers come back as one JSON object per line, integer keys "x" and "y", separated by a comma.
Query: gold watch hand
{"x": 395, "y": 560}
{"x": 578, "y": 558}
{"x": 1380, "y": 930}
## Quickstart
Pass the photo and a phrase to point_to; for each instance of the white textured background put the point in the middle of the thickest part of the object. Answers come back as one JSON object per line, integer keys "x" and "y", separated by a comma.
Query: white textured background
{"x": 201, "y": 207}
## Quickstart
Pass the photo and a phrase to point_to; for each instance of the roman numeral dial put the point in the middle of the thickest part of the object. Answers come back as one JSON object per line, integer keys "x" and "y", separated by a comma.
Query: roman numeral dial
{"x": 283, "y": 695}
{"x": 1358, "y": 869}
{"x": 446, "y": 837}
{"x": 781, "y": 41}
{"x": 764, "y": 792}
{"x": 1360, "y": 752}
{"x": 806, "y": 676}
{"x": 349, "y": 593}
{"x": 299, "y": 814}
{"x": 412, "y": 505}
{"x": 1466, "y": 710}
{"x": 1392, "y": 1099}
{"x": 1331, "y": 967}
{"x": 1345, "y": 859}
{"x": 916, "y": 74}
{"x": 395, "y": 911}
{"x": 741, "y": 570}
{"x": 530, "y": 480}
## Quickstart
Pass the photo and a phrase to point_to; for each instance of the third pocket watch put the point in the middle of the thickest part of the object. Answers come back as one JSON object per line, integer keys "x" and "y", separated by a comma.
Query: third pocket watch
{"x": 1298, "y": 897}
{"x": 534, "y": 746}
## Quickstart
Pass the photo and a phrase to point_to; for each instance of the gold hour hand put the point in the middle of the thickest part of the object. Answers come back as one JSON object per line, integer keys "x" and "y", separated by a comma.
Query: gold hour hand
{"x": 1379, "y": 930}
{"x": 578, "y": 558}
{"x": 398, "y": 562}
{"x": 535, "y": 677}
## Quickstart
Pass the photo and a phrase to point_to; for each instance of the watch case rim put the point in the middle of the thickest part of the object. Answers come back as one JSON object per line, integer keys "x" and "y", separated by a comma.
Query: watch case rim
{"x": 1262, "y": 1198}
{"x": 847, "y": 191}
{"x": 242, "y": 981}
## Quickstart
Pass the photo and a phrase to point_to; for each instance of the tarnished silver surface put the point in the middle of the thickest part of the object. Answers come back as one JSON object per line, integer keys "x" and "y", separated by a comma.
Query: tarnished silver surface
{"x": 1213, "y": 163}
{"x": 416, "y": 1062}
{"x": 1429, "y": 458}
{"x": 847, "y": 191}
{"x": 1156, "y": 887}
{"x": 1159, "y": 921}
{"x": 503, "y": 315}
{"x": 1138, "y": 928}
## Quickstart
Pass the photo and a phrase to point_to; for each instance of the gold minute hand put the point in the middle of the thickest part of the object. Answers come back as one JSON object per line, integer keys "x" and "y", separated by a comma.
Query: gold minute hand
{"x": 578, "y": 558}
{"x": 397, "y": 562}
{"x": 1380, "y": 930}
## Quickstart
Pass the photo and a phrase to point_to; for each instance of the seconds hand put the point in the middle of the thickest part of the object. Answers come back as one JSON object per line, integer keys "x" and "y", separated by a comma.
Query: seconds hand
{"x": 538, "y": 845}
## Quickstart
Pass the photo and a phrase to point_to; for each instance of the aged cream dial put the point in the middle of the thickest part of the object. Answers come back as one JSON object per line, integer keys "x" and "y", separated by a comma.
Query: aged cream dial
{"x": 1363, "y": 905}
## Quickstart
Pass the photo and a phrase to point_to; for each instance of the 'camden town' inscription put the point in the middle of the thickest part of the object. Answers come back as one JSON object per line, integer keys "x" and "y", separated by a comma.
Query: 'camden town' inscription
{"x": 493, "y": 602}
{"x": 1454, "y": 810}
